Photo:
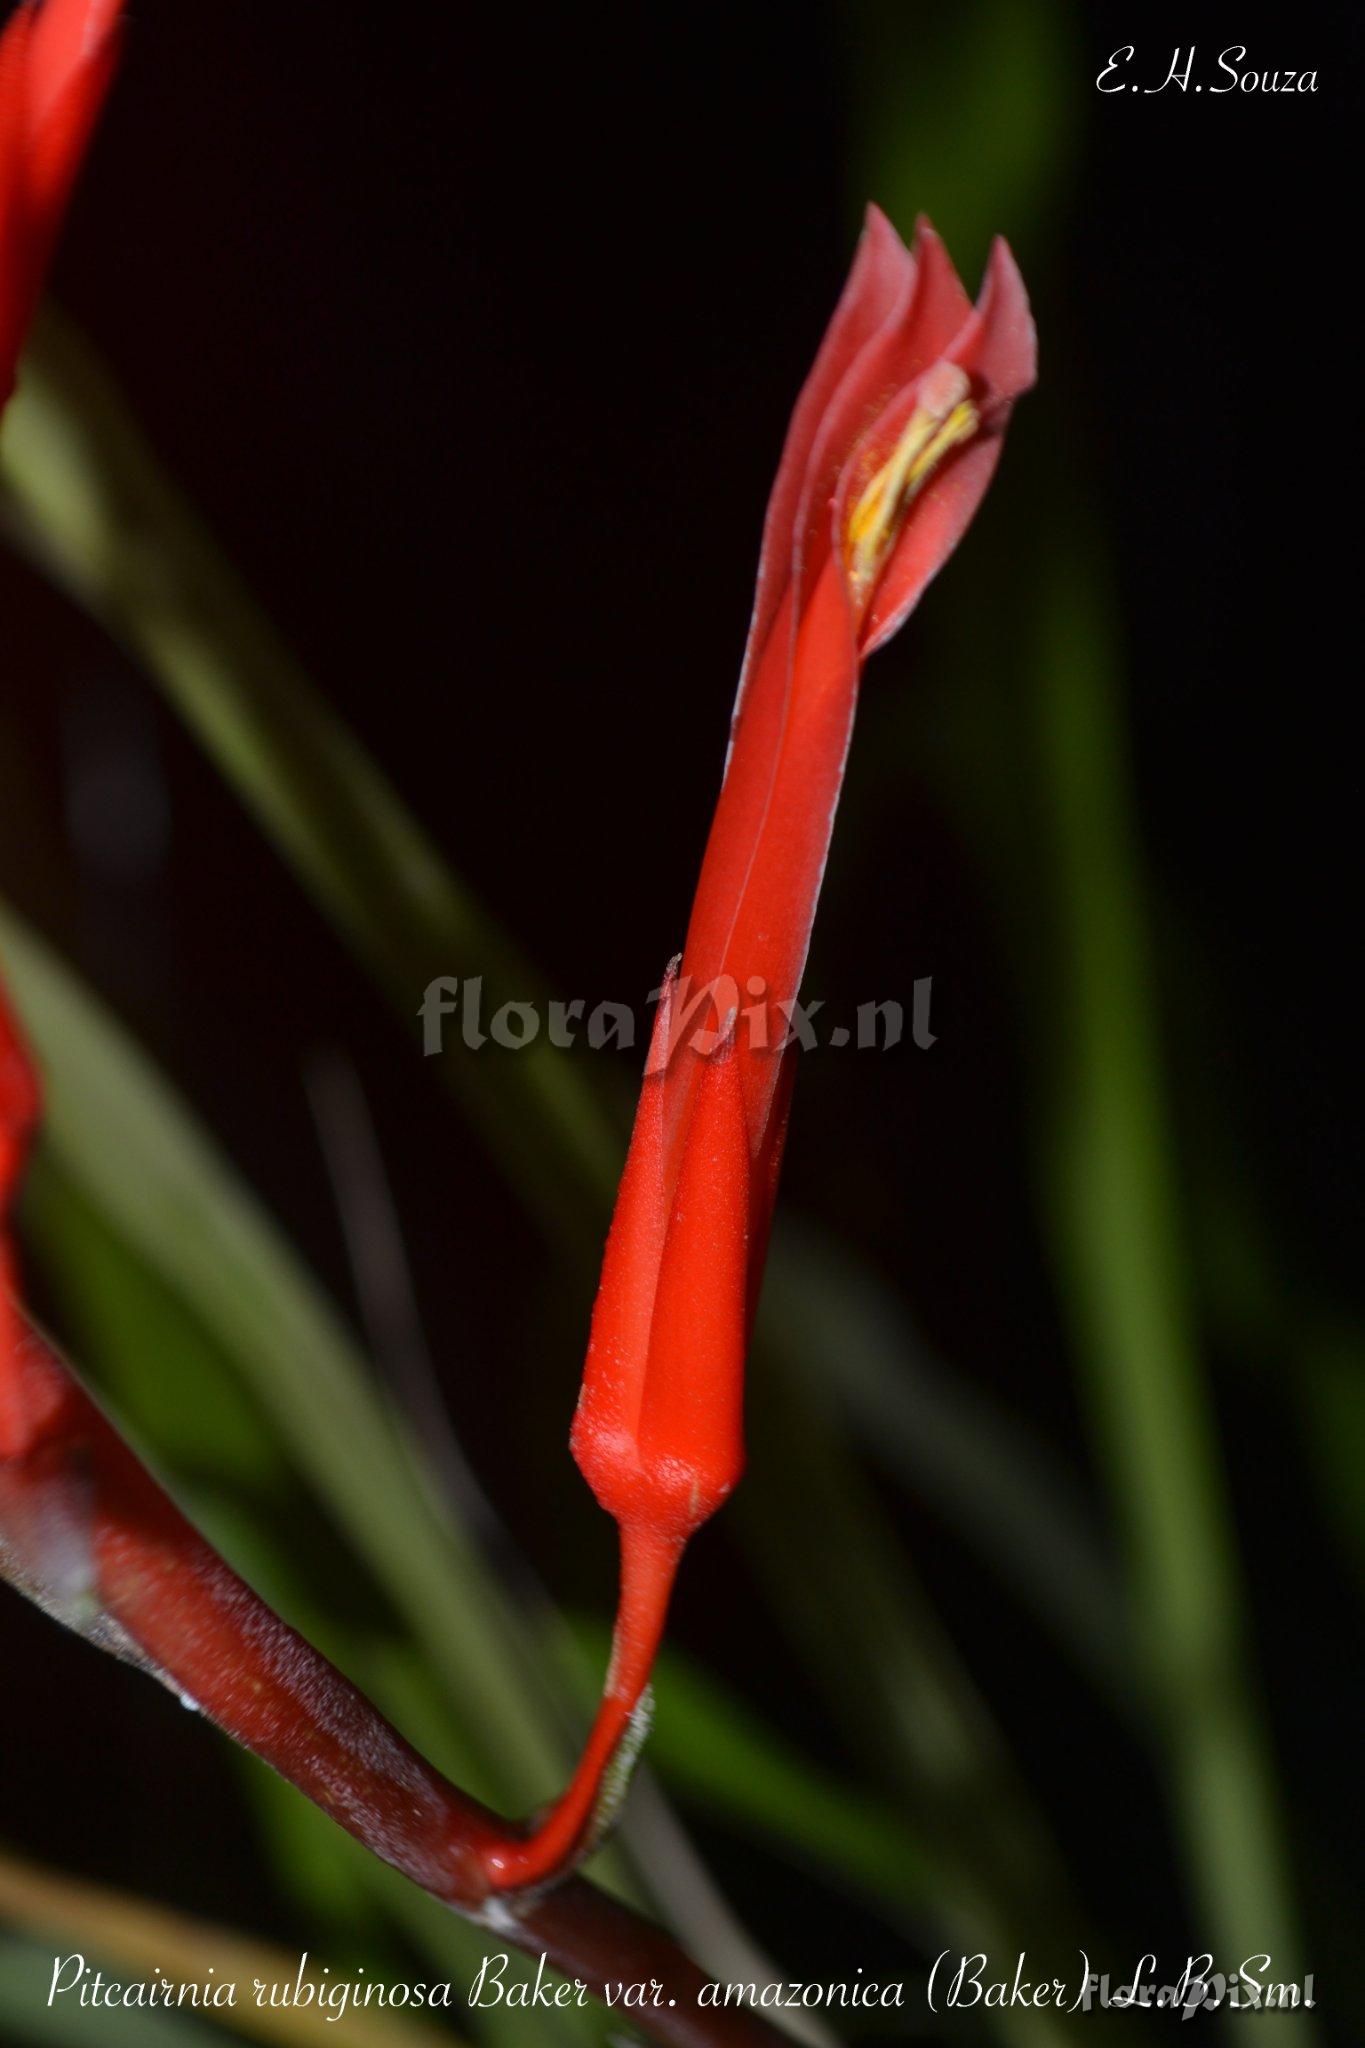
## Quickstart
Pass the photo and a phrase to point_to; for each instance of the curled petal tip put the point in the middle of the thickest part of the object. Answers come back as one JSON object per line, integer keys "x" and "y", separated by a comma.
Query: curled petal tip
{"x": 1005, "y": 310}
{"x": 878, "y": 227}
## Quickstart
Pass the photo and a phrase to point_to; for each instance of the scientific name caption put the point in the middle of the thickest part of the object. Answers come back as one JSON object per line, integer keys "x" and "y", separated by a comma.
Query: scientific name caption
{"x": 952, "y": 1983}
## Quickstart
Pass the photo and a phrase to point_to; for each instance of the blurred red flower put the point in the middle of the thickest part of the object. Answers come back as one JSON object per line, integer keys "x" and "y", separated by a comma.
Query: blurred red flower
{"x": 56, "y": 59}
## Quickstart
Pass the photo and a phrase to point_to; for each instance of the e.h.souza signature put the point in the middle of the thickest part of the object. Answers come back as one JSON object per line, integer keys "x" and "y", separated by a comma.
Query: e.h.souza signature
{"x": 1231, "y": 73}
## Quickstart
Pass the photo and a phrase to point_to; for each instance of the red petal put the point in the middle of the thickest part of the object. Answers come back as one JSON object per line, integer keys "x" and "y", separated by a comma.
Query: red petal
{"x": 71, "y": 61}
{"x": 932, "y": 313}
{"x": 997, "y": 347}
{"x": 765, "y": 857}
{"x": 16, "y": 268}
{"x": 880, "y": 280}
{"x": 69, "y": 36}
{"x": 56, "y": 60}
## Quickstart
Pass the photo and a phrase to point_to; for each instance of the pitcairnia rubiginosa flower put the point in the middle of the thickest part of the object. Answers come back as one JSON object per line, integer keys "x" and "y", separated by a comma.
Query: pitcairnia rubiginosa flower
{"x": 56, "y": 59}
{"x": 891, "y": 446}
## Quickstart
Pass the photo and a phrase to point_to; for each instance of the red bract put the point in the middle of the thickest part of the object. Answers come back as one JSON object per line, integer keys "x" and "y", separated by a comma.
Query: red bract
{"x": 56, "y": 59}
{"x": 892, "y": 444}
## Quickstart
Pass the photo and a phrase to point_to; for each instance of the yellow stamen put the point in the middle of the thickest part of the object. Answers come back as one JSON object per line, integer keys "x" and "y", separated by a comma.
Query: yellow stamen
{"x": 944, "y": 418}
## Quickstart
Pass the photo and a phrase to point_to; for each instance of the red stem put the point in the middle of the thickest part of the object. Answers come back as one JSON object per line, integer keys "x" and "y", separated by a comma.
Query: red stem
{"x": 649, "y": 1565}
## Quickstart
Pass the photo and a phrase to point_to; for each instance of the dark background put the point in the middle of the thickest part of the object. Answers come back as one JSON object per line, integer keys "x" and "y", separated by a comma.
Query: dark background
{"x": 474, "y": 334}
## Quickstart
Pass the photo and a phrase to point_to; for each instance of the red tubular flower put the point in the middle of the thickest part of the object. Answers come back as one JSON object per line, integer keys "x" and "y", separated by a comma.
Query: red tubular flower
{"x": 891, "y": 446}
{"x": 56, "y": 60}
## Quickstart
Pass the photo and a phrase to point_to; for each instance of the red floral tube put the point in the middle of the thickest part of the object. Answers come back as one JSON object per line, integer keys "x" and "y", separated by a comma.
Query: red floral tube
{"x": 891, "y": 446}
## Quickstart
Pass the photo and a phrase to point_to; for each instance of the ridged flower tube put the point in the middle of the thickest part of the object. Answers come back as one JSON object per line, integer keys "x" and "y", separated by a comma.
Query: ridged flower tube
{"x": 892, "y": 444}
{"x": 56, "y": 60}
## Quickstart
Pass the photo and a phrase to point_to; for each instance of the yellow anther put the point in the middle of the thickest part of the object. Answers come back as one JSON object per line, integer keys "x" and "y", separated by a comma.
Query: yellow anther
{"x": 944, "y": 417}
